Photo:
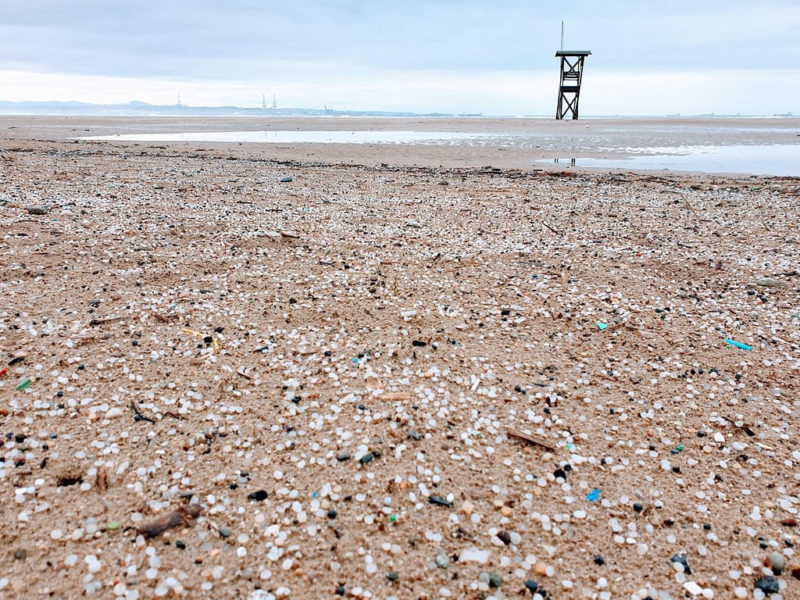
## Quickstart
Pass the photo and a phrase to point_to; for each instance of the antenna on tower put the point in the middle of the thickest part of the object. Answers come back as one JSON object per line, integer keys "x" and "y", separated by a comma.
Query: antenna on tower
{"x": 562, "y": 35}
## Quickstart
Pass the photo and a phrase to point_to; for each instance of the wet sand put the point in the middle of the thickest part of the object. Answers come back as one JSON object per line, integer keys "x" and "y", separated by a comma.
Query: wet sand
{"x": 549, "y": 139}
{"x": 328, "y": 376}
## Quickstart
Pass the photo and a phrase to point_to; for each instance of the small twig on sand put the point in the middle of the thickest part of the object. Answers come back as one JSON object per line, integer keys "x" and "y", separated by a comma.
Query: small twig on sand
{"x": 138, "y": 414}
{"x": 556, "y": 231}
{"x": 691, "y": 208}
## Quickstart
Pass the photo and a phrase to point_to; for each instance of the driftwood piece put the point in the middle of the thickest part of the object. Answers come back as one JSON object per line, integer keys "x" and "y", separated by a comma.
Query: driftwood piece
{"x": 95, "y": 322}
{"x": 531, "y": 439}
{"x": 395, "y": 396}
{"x": 184, "y": 515}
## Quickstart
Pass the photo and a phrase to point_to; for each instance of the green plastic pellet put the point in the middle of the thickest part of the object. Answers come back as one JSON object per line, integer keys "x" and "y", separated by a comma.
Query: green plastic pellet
{"x": 392, "y": 518}
{"x": 23, "y": 384}
{"x": 112, "y": 525}
{"x": 680, "y": 447}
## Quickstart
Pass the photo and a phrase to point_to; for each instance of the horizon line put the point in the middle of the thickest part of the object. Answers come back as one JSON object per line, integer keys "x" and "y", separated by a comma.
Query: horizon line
{"x": 138, "y": 104}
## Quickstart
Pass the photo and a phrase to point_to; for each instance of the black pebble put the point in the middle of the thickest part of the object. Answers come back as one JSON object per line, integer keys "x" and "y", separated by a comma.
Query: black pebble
{"x": 637, "y": 507}
{"x": 768, "y": 585}
{"x": 179, "y": 544}
{"x": 340, "y": 590}
{"x": 599, "y": 560}
{"x": 332, "y": 514}
{"x": 532, "y": 586}
{"x": 259, "y": 495}
{"x": 682, "y": 559}
{"x": 559, "y": 473}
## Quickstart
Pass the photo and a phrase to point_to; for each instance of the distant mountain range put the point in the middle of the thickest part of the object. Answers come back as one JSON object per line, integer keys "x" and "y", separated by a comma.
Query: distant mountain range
{"x": 142, "y": 109}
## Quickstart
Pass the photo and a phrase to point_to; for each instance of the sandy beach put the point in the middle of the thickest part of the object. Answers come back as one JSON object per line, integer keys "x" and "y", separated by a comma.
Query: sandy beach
{"x": 320, "y": 371}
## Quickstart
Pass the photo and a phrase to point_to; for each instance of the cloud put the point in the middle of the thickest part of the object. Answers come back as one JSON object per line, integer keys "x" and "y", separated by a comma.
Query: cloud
{"x": 403, "y": 54}
{"x": 196, "y": 39}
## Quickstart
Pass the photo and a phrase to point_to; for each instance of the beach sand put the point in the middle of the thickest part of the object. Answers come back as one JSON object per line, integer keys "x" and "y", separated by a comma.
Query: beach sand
{"x": 337, "y": 369}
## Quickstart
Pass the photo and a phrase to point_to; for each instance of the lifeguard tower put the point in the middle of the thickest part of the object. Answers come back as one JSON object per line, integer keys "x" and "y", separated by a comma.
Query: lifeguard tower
{"x": 569, "y": 90}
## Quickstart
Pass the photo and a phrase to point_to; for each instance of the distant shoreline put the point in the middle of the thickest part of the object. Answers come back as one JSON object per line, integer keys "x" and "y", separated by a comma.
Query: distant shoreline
{"x": 142, "y": 109}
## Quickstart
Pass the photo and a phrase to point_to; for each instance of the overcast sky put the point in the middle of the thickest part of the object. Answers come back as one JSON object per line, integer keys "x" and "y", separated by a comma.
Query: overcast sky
{"x": 477, "y": 56}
